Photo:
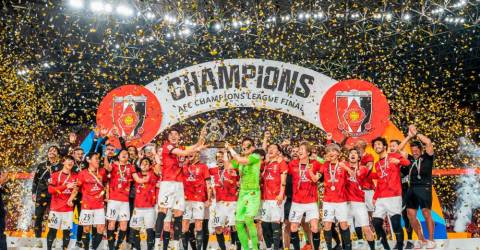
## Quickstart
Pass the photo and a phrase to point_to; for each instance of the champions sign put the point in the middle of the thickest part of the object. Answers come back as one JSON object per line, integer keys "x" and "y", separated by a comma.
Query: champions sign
{"x": 256, "y": 83}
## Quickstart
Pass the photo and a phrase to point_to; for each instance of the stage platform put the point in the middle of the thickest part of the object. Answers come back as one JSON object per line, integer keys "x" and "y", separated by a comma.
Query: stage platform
{"x": 15, "y": 243}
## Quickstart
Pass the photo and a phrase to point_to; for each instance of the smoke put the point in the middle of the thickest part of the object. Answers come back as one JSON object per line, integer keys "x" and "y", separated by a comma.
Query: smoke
{"x": 26, "y": 208}
{"x": 468, "y": 197}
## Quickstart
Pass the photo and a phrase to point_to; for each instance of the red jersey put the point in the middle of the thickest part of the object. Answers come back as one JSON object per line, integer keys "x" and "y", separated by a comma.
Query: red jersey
{"x": 226, "y": 184}
{"x": 194, "y": 182}
{"x": 368, "y": 182}
{"x": 145, "y": 193}
{"x": 334, "y": 179}
{"x": 355, "y": 182}
{"x": 271, "y": 178}
{"x": 92, "y": 188}
{"x": 389, "y": 183}
{"x": 59, "y": 191}
{"x": 171, "y": 170}
{"x": 120, "y": 180}
{"x": 304, "y": 189}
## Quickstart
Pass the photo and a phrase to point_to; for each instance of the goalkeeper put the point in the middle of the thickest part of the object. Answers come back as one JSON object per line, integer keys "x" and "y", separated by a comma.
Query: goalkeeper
{"x": 248, "y": 204}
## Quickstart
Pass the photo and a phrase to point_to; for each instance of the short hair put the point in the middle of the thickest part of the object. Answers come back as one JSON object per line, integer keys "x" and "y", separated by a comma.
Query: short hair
{"x": 77, "y": 149}
{"x": 146, "y": 159}
{"x": 259, "y": 151}
{"x": 170, "y": 130}
{"x": 396, "y": 141}
{"x": 417, "y": 144}
{"x": 248, "y": 139}
{"x": 307, "y": 146}
{"x": 361, "y": 142}
{"x": 109, "y": 145}
{"x": 92, "y": 154}
{"x": 380, "y": 139}
{"x": 352, "y": 149}
{"x": 333, "y": 147}
{"x": 55, "y": 147}
{"x": 68, "y": 158}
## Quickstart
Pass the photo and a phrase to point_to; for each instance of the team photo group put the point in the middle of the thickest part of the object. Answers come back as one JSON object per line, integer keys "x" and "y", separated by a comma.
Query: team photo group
{"x": 259, "y": 194}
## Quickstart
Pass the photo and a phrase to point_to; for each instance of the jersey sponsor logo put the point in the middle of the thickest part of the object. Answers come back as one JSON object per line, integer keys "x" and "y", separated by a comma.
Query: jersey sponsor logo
{"x": 133, "y": 111}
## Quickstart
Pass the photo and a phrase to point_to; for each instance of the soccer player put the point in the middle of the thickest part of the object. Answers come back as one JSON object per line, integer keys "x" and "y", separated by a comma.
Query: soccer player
{"x": 196, "y": 183}
{"x": 62, "y": 187}
{"x": 396, "y": 147}
{"x": 226, "y": 196}
{"x": 335, "y": 205}
{"x": 305, "y": 195}
{"x": 91, "y": 182}
{"x": 118, "y": 208}
{"x": 388, "y": 193}
{"x": 40, "y": 194}
{"x": 248, "y": 204}
{"x": 143, "y": 215}
{"x": 273, "y": 176}
{"x": 419, "y": 193}
{"x": 356, "y": 197}
{"x": 366, "y": 160}
{"x": 171, "y": 193}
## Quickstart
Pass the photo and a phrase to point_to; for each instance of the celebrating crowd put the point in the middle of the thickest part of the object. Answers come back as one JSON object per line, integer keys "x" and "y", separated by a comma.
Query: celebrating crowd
{"x": 262, "y": 196}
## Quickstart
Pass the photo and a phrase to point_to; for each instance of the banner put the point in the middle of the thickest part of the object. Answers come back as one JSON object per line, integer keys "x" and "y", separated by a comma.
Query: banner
{"x": 347, "y": 107}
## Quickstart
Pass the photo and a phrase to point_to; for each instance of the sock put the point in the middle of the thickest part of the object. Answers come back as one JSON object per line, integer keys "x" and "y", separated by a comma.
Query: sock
{"x": 371, "y": 244}
{"x": 150, "y": 238}
{"x": 335, "y": 235}
{"x": 177, "y": 227}
{"x": 378, "y": 225}
{"x": 295, "y": 240}
{"x": 328, "y": 238}
{"x": 347, "y": 242}
{"x": 277, "y": 235}
{"x": 316, "y": 240}
{"x": 121, "y": 237}
{"x": 242, "y": 234}
{"x": 166, "y": 239}
{"x": 221, "y": 241}
{"x": 398, "y": 230}
{"x": 185, "y": 239}
{"x": 233, "y": 236}
{"x": 52, "y": 234}
{"x": 79, "y": 232}
{"x": 267, "y": 234}
{"x": 159, "y": 224}
{"x": 235, "y": 240}
{"x": 359, "y": 233}
{"x": 111, "y": 239}
{"x": 191, "y": 236}
{"x": 86, "y": 240}
{"x": 97, "y": 239}
{"x": 252, "y": 231}
{"x": 199, "y": 239}
{"x": 66, "y": 238}
{"x": 135, "y": 238}
{"x": 206, "y": 234}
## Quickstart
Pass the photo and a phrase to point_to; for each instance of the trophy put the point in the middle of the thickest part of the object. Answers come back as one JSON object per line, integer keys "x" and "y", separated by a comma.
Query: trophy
{"x": 215, "y": 134}
{"x": 214, "y": 139}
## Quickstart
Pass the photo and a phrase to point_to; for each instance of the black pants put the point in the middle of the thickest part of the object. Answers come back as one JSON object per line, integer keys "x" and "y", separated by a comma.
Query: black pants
{"x": 41, "y": 205}
{"x": 3, "y": 237}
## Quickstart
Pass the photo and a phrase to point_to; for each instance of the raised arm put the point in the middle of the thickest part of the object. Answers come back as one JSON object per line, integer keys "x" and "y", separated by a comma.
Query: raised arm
{"x": 426, "y": 141}
{"x": 240, "y": 159}
{"x": 266, "y": 138}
